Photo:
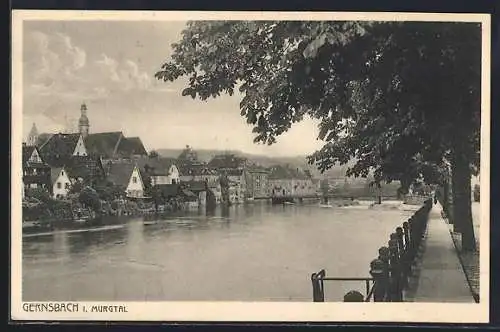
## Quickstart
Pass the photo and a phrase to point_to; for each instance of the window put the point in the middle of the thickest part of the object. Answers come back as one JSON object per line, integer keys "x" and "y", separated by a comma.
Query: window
{"x": 66, "y": 185}
{"x": 58, "y": 185}
{"x": 62, "y": 172}
{"x": 134, "y": 179}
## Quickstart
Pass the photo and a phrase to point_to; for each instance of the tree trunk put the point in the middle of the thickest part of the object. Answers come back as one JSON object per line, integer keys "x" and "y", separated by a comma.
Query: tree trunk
{"x": 461, "y": 191}
{"x": 444, "y": 199}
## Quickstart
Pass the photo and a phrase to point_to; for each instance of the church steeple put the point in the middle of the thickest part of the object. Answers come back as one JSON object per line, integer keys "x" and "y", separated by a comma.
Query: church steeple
{"x": 83, "y": 123}
{"x": 32, "y": 136}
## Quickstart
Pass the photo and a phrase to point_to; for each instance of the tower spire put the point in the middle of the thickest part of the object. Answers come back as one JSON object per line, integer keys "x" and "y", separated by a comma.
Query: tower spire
{"x": 83, "y": 123}
{"x": 33, "y": 135}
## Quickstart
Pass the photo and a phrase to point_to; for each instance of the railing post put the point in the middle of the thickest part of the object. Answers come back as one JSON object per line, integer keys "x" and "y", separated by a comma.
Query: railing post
{"x": 396, "y": 294}
{"x": 353, "y": 296}
{"x": 315, "y": 287}
{"x": 377, "y": 271}
{"x": 411, "y": 232}
{"x": 383, "y": 256}
{"x": 403, "y": 258}
{"x": 317, "y": 284}
{"x": 406, "y": 235}
{"x": 407, "y": 262}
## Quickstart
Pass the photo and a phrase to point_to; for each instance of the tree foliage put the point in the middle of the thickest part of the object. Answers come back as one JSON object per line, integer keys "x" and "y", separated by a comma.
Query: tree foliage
{"x": 90, "y": 198}
{"x": 384, "y": 93}
{"x": 400, "y": 98}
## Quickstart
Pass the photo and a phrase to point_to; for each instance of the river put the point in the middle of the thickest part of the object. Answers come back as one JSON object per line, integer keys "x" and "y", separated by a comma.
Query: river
{"x": 255, "y": 252}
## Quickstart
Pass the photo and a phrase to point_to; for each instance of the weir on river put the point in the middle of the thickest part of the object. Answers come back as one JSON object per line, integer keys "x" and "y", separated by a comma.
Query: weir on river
{"x": 257, "y": 252}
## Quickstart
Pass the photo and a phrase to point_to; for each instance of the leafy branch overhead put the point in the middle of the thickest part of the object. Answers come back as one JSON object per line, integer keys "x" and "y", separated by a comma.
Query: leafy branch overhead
{"x": 391, "y": 95}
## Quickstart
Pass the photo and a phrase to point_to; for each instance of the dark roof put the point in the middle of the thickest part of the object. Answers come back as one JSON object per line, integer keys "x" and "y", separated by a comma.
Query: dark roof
{"x": 155, "y": 166}
{"x": 194, "y": 186}
{"x": 168, "y": 190}
{"x": 54, "y": 173}
{"x": 227, "y": 161}
{"x": 257, "y": 169}
{"x": 196, "y": 169}
{"x": 59, "y": 148}
{"x": 131, "y": 146}
{"x": 119, "y": 173}
{"x": 42, "y": 139}
{"x": 27, "y": 152}
{"x": 85, "y": 167}
{"x": 114, "y": 144}
{"x": 103, "y": 144}
{"x": 286, "y": 172}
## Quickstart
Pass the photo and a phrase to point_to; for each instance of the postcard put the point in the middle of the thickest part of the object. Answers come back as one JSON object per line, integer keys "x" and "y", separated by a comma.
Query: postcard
{"x": 250, "y": 166}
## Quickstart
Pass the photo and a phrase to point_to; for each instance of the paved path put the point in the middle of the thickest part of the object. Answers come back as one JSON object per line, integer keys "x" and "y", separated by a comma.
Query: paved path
{"x": 442, "y": 278}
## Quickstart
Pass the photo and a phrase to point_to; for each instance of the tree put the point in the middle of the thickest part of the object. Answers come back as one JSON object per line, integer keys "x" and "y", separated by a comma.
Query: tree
{"x": 400, "y": 98}
{"x": 108, "y": 191}
{"x": 89, "y": 198}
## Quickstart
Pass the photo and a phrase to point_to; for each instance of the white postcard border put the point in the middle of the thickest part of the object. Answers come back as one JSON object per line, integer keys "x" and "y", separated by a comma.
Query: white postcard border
{"x": 251, "y": 311}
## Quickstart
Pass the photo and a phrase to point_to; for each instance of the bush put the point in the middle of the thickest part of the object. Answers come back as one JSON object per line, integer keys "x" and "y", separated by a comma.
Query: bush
{"x": 38, "y": 193}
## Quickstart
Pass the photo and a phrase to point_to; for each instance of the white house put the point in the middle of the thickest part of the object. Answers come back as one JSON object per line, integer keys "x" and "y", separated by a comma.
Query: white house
{"x": 135, "y": 187}
{"x": 170, "y": 177}
{"x": 61, "y": 183}
{"x": 80, "y": 149}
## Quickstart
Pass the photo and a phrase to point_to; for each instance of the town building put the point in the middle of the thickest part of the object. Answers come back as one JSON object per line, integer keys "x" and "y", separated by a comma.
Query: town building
{"x": 61, "y": 182}
{"x": 61, "y": 147}
{"x": 192, "y": 169}
{"x": 287, "y": 181}
{"x": 69, "y": 151}
{"x": 202, "y": 173}
{"x": 199, "y": 189}
{"x": 234, "y": 168}
{"x": 105, "y": 145}
{"x": 257, "y": 182}
{"x": 36, "y": 173}
{"x": 127, "y": 175}
{"x": 160, "y": 170}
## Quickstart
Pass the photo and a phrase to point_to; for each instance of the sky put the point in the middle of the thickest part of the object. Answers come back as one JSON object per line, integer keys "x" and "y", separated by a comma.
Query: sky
{"x": 110, "y": 66}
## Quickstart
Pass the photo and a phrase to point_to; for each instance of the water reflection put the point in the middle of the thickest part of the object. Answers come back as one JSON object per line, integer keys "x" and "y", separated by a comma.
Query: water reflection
{"x": 84, "y": 241}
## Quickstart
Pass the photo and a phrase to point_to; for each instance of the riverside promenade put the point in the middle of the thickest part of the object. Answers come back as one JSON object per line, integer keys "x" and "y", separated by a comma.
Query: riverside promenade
{"x": 439, "y": 275}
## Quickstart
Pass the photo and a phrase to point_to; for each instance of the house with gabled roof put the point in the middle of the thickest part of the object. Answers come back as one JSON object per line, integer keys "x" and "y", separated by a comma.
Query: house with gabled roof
{"x": 114, "y": 145}
{"x": 127, "y": 175}
{"x": 160, "y": 170}
{"x": 60, "y": 181}
{"x": 59, "y": 148}
{"x": 36, "y": 173}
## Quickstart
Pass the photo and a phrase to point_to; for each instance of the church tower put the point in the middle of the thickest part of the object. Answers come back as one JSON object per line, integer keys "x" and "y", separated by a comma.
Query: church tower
{"x": 32, "y": 136}
{"x": 83, "y": 123}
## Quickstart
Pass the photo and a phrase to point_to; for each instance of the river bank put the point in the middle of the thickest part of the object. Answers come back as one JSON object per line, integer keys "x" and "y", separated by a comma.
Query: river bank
{"x": 70, "y": 226}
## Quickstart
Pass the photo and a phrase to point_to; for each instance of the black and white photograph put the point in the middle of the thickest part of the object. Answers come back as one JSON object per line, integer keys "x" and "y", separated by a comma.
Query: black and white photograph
{"x": 199, "y": 166}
